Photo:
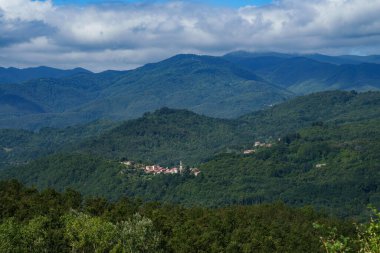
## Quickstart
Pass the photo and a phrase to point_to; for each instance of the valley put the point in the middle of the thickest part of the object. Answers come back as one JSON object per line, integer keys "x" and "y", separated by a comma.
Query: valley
{"x": 309, "y": 150}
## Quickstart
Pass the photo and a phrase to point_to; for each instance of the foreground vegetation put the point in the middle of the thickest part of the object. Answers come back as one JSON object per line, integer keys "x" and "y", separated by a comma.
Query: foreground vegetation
{"x": 49, "y": 221}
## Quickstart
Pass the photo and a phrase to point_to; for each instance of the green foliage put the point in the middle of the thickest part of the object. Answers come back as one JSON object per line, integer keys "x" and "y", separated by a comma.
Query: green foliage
{"x": 367, "y": 241}
{"x": 132, "y": 226}
{"x": 29, "y": 237}
{"x": 333, "y": 243}
{"x": 137, "y": 235}
{"x": 10, "y": 236}
{"x": 369, "y": 235}
{"x": 89, "y": 234}
{"x": 90, "y": 174}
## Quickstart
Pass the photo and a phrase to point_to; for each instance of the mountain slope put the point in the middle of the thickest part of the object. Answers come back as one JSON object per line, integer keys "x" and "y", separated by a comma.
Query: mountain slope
{"x": 168, "y": 136}
{"x": 303, "y": 74}
{"x": 203, "y": 84}
{"x": 15, "y": 75}
{"x": 22, "y": 146}
{"x": 338, "y": 107}
{"x": 335, "y": 168}
{"x": 16, "y": 104}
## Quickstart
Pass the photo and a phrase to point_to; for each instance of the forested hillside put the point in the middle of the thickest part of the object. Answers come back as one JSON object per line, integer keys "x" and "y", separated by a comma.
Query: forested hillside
{"x": 168, "y": 136}
{"x": 336, "y": 107}
{"x": 21, "y": 146}
{"x": 334, "y": 168}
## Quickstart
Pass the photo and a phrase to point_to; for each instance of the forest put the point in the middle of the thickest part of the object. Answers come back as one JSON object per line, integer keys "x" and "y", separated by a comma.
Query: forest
{"x": 49, "y": 221}
{"x": 332, "y": 167}
{"x": 305, "y": 189}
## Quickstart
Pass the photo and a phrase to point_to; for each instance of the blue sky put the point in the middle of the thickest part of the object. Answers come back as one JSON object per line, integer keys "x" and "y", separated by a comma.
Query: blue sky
{"x": 228, "y": 3}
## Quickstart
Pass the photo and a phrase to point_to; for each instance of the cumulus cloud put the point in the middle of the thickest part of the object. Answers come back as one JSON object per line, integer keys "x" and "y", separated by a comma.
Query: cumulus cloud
{"x": 125, "y": 35}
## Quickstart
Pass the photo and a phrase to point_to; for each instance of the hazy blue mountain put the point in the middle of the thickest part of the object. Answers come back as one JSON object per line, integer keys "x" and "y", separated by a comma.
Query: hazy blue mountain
{"x": 303, "y": 74}
{"x": 362, "y": 59}
{"x": 208, "y": 85}
{"x": 223, "y": 87}
{"x": 337, "y": 60}
{"x": 15, "y": 75}
{"x": 204, "y": 84}
{"x": 16, "y": 104}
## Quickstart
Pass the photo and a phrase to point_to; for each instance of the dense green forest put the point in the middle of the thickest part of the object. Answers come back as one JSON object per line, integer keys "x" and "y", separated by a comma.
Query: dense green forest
{"x": 332, "y": 167}
{"x": 167, "y": 136}
{"x": 327, "y": 156}
{"x": 49, "y": 221}
{"x": 320, "y": 151}
{"x": 19, "y": 147}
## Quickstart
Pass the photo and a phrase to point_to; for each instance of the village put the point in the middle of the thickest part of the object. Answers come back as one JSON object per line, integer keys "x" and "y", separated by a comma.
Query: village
{"x": 157, "y": 169}
{"x": 257, "y": 144}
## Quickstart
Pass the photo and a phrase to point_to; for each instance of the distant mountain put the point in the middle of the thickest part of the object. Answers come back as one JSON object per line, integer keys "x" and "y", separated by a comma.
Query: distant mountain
{"x": 338, "y": 60}
{"x": 223, "y": 87}
{"x": 303, "y": 74}
{"x": 15, "y": 75}
{"x": 208, "y": 85}
{"x": 16, "y": 104}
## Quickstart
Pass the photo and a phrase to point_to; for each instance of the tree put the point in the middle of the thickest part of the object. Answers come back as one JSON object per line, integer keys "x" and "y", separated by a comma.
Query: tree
{"x": 137, "y": 235}
{"x": 368, "y": 237}
{"x": 89, "y": 234}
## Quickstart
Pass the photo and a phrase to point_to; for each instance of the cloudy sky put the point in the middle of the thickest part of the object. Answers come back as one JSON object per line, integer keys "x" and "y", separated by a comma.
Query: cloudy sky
{"x": 101, "y": 35}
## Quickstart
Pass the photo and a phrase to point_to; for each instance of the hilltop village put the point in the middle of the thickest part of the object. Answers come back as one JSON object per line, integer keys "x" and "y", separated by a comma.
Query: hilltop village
{"x": 257, "y": 144}
{"x": 157, "y": 169}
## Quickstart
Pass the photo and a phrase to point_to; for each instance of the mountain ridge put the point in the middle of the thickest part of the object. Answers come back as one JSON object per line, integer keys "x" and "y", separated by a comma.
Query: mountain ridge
{"x": 223, "y": 87}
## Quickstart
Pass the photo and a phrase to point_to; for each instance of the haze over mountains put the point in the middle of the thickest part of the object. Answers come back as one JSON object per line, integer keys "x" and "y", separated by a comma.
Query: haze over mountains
{"x": 224, "y": 87}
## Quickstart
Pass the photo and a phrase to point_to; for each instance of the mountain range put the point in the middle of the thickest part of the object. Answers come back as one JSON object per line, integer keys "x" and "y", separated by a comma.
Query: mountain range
{"x": 224, "y": 87}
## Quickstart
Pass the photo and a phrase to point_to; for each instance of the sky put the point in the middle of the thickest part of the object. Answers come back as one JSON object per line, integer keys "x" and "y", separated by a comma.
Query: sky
{"x": 100, "y": 35}
{"x": 228, "y": 3}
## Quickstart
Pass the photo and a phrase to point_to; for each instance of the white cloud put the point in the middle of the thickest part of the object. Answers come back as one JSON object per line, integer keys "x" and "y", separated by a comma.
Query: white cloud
{"x": 122, "y": 36}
